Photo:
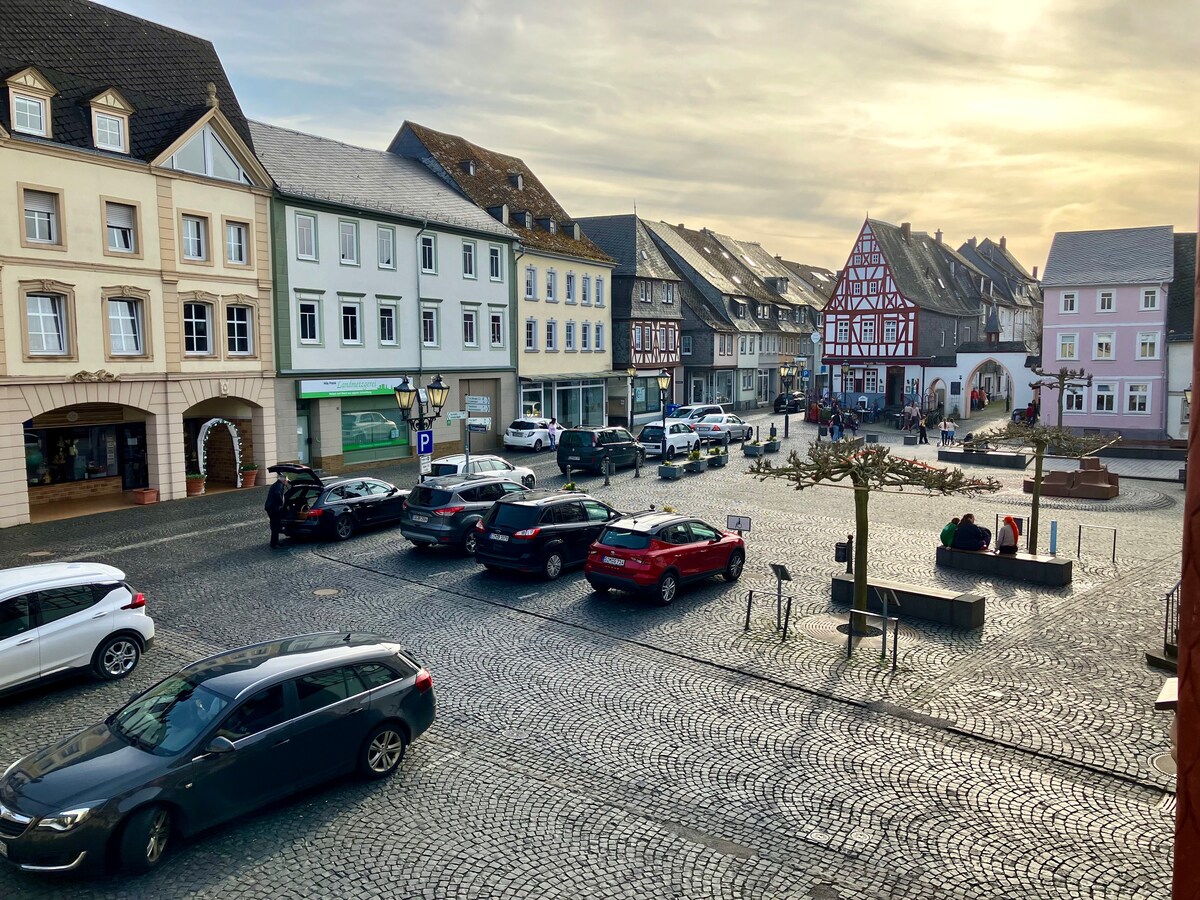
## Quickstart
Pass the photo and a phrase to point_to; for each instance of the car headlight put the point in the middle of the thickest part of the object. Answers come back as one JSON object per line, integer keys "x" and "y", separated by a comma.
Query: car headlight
{"x": 65, "y": 820}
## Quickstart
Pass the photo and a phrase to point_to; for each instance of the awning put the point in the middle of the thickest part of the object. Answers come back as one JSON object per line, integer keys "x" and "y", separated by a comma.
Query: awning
{"x": 579, "y": 376}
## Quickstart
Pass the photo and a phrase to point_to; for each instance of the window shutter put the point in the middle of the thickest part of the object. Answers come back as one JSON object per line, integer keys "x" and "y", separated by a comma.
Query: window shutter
{"x": 39, "y": 201}
{"x": 118, "y": 215}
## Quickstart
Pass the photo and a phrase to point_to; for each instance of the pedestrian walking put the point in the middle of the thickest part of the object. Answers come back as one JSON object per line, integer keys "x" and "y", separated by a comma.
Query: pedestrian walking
{"x": 274, "y": 507}
{"x": 835, "y": 425}
{"x": 923, "y": 436}
{"x": 553, "y": 432}
{"x": 944, "y": 427}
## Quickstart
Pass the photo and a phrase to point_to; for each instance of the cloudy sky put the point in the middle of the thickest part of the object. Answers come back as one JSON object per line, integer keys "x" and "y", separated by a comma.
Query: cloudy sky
{"x": 780, "y": 121}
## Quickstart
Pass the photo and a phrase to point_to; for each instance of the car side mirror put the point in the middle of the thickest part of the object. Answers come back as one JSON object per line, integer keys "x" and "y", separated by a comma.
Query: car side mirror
{"x": 219, "y": 745}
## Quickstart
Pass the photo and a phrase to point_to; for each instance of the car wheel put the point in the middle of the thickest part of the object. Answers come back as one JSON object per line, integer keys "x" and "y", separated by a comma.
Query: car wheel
{"x": 670, "y": 452}
{"x": 563, "y": 469}
{"x": 668, "y": 587}
{"x": 144, "y": 838}
{"x": 537, "y": 446}
{"x": 382, "y": 751}
{"x": 641, "y": 459}
{"x": 343, "y": 527}
{"x": 470, "y": 541}
{"x": 529, "y": 481}
{"x": 116, "y": 657}
{"x": 553, "y": 565}
{"x": 733, "y": 568}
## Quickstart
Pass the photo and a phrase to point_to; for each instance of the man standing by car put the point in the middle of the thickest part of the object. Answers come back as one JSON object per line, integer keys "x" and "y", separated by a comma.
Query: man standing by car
{"x": 274, "y": 507}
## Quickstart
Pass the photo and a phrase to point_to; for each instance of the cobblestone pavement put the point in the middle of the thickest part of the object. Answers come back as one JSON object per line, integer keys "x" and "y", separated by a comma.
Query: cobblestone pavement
{"x": 605, "y": 747}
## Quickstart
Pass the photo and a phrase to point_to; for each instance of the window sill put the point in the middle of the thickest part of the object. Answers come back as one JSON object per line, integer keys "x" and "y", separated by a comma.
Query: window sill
{"x": 429, "y": 271}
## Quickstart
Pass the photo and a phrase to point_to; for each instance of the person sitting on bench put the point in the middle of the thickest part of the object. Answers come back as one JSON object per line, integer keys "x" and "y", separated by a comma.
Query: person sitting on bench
{"x": 948, "y": 532}
{"x": 970, "y": 536}
{"x": 1010, "y": 533}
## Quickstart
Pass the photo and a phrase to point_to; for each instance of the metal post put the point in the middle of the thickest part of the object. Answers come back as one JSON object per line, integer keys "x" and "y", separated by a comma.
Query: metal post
{"x": 607, "y": 470}
{"x": 1079, "y": 543}
{"x": 849, "y": 554}
{"x": 757, "y": 433}
{"x": 895, "y": 640}
{"x": 787, "y": 617}
{"x": 749, "y": 601}
{"x": 1114, "y": 545}
{"x": 1053, "y": 537}
{"x": 778, "y": 602}
{"x": 569, "y": 476}
{"x": 785, "y": 424}
{"x": 637, "y": 465}
{"x": 883, "y": 599}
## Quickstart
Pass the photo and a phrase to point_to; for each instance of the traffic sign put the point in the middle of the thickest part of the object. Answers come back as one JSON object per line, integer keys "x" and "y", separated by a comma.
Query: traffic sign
{"x": 456, "y": 416}
{"x": 479, "y": 424}
{"x": 478, "y": 404}
{"x": 804, "y": 373}
{"x": 737, "y": 523}
{"x": 426, "y": 463}
{"x": 476, "y": 429}
{"x": 424, "y": 442}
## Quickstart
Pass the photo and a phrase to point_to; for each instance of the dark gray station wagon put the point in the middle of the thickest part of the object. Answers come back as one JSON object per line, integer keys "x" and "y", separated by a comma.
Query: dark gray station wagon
{"x": 219, "y": 738}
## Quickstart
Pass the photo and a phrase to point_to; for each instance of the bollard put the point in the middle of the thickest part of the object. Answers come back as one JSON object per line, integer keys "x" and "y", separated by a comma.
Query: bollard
{"x": 757, "y": 434}
{"x": 637, "y": 465}
{"x": 849, "y": 554}
{"x": 773, "y": 433}
{"x": 607, "y": 470}
{"x": 569, "y": 477}
{"x": 1053, "y": 538}
{"x": 785, "y": 425}
{"x": 787, "y": 617}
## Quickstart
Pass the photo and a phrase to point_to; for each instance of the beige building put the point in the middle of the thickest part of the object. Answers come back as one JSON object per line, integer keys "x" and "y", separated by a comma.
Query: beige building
{"x": 136, "y": 340}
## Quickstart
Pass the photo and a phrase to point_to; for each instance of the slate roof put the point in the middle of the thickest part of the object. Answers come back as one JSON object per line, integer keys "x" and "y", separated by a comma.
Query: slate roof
{"x": 1013, "y": 286}
{"x": 820, "y": 279}
{"x": 317, "y": 168}
{"x": 764, "y": 265}
{"x": 1115, "y": 256}
{"x": 921, "y": 268}
{"x": 83, "y": 49}
{"x": 492, "y": 186}
{"x": 1181, "y": 296}
{"x": 625, "y": 239}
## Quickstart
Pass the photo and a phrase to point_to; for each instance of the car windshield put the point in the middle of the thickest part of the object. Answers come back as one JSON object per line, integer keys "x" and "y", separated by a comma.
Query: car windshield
{"x": 526, "y": 425}
{"x": 514, "y": 515}
{"x": 444, "y": 469}
{"x": 651, "y": 433}
{"x": 169, "y": 717}
{"x": 429, "y": 497}
{"x": 625, "y": 539}
{"x": 576, "y": 439}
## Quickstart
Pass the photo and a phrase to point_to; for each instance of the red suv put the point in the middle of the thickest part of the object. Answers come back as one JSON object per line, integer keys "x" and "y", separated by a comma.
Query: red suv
{"x": 657, "y": 552}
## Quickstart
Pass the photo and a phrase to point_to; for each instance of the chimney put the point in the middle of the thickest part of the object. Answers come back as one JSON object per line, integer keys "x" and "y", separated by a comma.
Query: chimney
{"x": 937, "y": 235}
{"x": 576, "y": 231}
{"x": 906, "y": 231}
{"x": 971, "y": 242}
{"x": 681, "y": 225}
{"x": 1035, "y": 273}
{"x": 1003, "y": 242}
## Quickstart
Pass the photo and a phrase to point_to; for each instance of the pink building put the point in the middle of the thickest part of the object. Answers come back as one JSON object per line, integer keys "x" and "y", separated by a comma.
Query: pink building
{"x": 1106, "y": 312}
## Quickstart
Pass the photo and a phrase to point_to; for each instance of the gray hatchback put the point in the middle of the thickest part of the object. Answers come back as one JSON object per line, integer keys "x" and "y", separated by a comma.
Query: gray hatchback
{"x": 444, "y": 510}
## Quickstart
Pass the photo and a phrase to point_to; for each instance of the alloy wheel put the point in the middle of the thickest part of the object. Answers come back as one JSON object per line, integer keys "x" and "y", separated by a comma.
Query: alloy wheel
{"x": 385, "y": 751}
{"x": 158, "y": 835}
{"x": 554, "y": 566}
{"x": 667, "y": 589}
{"x": 119, "y": 658}
{"x": 470, "y": 541}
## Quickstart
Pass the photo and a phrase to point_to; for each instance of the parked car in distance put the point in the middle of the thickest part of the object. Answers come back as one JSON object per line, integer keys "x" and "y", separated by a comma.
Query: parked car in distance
{"x": 542, "y": 531}
{"x": 444, "y": 510}
{"x": 60, "y": 618}
{"x": 588, "y": 448}
{"x": 681, "y": 438}
{"x": 694, "y": 413}
{"x": 335, "y": 506}
{"x": 712, "y": 429}
{"x": 790, "y": 402}
{"x": 657, "y": 552}
{"x": 218, "y": 739}
{"x": 368, "y": 428}
{"x": 483, "y": 464}
{"x": 531, "y": 434}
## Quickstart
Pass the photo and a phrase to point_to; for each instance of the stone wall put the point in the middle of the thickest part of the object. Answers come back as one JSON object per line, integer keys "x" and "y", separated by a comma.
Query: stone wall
{"x": 74, "y": 490}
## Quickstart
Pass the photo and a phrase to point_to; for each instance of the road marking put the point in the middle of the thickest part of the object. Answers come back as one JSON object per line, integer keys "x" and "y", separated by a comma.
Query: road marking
{"x": 164, "y": 540}
{"x": 527, "y": 596}
{"x": 438, "y": 574}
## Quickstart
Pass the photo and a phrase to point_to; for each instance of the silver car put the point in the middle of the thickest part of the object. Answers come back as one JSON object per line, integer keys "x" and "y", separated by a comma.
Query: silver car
{"x": 714, "y": 428}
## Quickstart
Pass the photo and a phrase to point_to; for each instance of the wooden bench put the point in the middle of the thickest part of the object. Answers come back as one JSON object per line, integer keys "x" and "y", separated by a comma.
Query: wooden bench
{"x": 1003, "y": 459}
{"x": 962, "y": 610}
{"x": 1052, "y": 571}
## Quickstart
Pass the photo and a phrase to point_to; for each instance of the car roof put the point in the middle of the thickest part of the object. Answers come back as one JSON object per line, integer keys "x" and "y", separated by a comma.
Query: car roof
{"x": 234, "y": 673}
{"x": 452, "y": 481}
{"x": 456, "y": 458}
{"x": 534, "y": 498}
{"x": 649, "y": 521}
{"x": 44, "y": 575}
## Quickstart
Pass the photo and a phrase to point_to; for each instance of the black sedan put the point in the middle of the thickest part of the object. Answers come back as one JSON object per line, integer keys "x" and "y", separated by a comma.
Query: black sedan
{"x": 221, "y": 737}
{"x": 789, "y": 403}
{"x": 336, "y": 506}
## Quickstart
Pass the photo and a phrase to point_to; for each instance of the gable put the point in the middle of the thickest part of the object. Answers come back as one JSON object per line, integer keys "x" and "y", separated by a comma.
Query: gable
{"x": 112, "y": 99}
{"x": 212, "y": 149}
{"x": 30, "y": 79}
{"x": 867, "y": 281}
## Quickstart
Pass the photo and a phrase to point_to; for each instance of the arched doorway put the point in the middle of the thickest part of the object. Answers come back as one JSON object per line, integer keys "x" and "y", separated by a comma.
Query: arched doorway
{"x": 219, "y": 437}
{"x": 935, "y": 396}
{"x": 993, "y": 383}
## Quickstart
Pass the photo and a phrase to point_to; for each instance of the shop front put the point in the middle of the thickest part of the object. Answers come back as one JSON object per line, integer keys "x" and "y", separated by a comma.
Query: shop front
{"x": 85, "y": 451}
{"x": 361, "y": 412}
{"x": 573, "y": 403}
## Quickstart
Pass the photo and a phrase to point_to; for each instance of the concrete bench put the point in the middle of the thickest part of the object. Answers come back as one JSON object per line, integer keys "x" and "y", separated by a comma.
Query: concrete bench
{"x": 1052, "y": 571}
{"x": 962, "y": 610}
{"x": 1002, "y": 459}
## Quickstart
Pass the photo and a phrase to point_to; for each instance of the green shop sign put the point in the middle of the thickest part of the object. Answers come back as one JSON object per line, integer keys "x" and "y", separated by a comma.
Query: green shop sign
{"x": 346, "y": 387}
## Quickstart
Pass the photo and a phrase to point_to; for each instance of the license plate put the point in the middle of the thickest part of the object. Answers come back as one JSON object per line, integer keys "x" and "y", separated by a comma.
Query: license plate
{"x": 421, "y": 519}
{"x": 573, "y": 459}
{"x": 499, "y": 537}
{"x": 614, "y": 561}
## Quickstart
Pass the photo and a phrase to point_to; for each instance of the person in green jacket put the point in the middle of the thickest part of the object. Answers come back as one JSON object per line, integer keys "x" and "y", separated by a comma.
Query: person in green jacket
{"x": 948, "y": 532}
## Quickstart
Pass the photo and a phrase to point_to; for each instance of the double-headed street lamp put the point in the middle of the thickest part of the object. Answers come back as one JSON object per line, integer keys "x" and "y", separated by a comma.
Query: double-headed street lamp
{"x": 787, "y": 372}
{"x": 436, "y": 395}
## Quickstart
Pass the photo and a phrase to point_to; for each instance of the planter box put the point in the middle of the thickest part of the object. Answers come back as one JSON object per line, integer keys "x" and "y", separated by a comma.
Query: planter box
{"x": 670, "y": 473}
{"x": 195, "y": 487}
{"x": 910, "y": 440}
{"x": 823, "y": 431}
{"x": 145, "y": 495}
{"x": 249, "y": 477}
{"x": 696, "y": 466}
{"x": 771, "y": 446}
{"x": 872, "y": 438}
{"x": 752, "y": 449}
{"x": 718, "y": 461}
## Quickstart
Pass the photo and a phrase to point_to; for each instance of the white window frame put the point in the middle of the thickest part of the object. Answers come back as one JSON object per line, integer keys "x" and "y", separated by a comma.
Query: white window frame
{"x": 470, "y": 328}
{"x": 385, "y": 248}
{"x": 200, "y": 238}
{"x": 1104, "y": 337}
{"x": 308, "y": 308}
{"x": 1137, "y": 390}
{"x": 37, "y": 217}
{"x": 1108, "y": 390}
{"x": 495, "y": 263}
{"x": 599, "y": 337}
{"x": 428, "y": 255}
{"x": 117, "y": 326}
{"x": 551, "y": 336}
{"x": 530, "y": 283}
{"x": 393, "y": 317}
{"x": 843, "y": 331}
{"x": 551, "y": 286}
{"x": 496, "y": 329}
{"x": 685, "y": 345}
{"x": 43, "y": 108}
{"x": 1111, "y": 297}
{"x": 868, "y": 331}
{"x": 668, "y": 293}
{"x": 348, "y": 228}
{"x": 1144, "y": 338}
{"x": 1075, "y": 401}
{"x": 314, "y": 256}
{"x": 1067, "y": 337}
{"x": 1149, "y": 299}
{"x": 599, "y": 291}
{"x": 108, "y": 119}
{"x": 210, "y": 344}
{"x": 569, "y": 287}
{"x": 231, "y": 228}
{"x": 531, "y": 335}
{"x": 871, "y": 381}
{"x": 569, "y": 337}
{"x": 117, "y": 231}
{"x": 585, "y": 337}
{"x": 56, "y": 313}
{"x": 469, "y": 261}
{"x": 1068, "y": 303}
{"x": 355, "y": 308}
{"x": 891, "y": 331}
{"x": 429, "y": 315}
{"x": 231, "y": 322}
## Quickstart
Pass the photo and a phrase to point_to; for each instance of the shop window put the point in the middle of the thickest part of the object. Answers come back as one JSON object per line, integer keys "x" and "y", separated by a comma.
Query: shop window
{"x": 60, "y": 455}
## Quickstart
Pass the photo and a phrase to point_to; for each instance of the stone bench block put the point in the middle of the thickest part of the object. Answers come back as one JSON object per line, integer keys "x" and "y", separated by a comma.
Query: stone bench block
{"x": 963, "y": 610}
{"x": 1052, "y": 571}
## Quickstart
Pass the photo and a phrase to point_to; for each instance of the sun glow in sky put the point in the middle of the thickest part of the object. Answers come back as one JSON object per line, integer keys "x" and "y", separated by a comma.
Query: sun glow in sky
{"x": 775, "y": 121}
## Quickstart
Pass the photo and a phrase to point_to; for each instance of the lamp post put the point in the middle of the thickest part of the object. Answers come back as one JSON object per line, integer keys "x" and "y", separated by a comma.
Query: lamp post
{"x": 815, "y": 337}
{"x": 436, "y": 393}
{"x": 632, "y": 373}
{"x": 664, "y": 384}
{"x": 787, "y": 372}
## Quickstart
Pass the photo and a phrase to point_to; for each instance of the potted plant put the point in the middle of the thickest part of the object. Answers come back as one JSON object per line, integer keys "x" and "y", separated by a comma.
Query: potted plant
{"x": 752, "y": 448}
{"x": 695, "y": 462}
{"x": 249, "y": 474}
{"x": 569, "y": 486}
{"x": 717, "y": 457}
{"x": 669, "y": 471}
{"x": 143, "y": 496}
{"x": 195, "y": 483}
{"x": 771, "y": 446}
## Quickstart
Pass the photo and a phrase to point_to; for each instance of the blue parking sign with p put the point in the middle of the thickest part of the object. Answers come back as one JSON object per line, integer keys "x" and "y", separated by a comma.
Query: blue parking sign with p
{"x": 424, "y": 442}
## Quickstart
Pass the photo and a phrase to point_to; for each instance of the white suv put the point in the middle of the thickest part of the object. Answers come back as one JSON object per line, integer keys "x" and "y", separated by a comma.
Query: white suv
{"x": 483, "y": 464}
{"x": 59, "y": 617}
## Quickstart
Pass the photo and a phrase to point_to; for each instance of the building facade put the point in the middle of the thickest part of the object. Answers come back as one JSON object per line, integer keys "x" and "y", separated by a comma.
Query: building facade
{"x": 564, "y": 347}
{"x": 1181, "y": 306}
{"x": 136, "y": 342}
{"x": 381, "y": 272}
{"x": 1106, "y": 312}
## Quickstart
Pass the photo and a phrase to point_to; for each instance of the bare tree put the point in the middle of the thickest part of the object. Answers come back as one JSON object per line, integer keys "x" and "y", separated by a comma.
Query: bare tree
{"x": 868, "y": 470}
{"x": 1038, "y": 438}
{"x": 1061, "y": 381}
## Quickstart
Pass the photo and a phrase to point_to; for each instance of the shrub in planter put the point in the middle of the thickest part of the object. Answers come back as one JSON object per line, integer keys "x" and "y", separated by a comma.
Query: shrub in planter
{"x": 669, "y": 471}
{"x": 195, "y": 484}
{"x": 771, "y": 446}
{"x": 754, "y": 448}
{"x": 569, "y": 486}
{"x": 717, "y": 458}
{"x": 249, "y": 474}
{"x": 695, "y": 462}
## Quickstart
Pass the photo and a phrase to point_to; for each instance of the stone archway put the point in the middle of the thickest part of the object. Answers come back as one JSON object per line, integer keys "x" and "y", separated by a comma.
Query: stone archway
{"x": 222, "y": 460}
{"x": 935, "y": 395}
{"x": 1004, "y": 389}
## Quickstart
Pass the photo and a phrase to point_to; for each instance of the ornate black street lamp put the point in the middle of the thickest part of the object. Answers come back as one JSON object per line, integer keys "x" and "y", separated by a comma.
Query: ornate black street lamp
{"x": 429, "y": 410}
{"x": 664, "y": 385}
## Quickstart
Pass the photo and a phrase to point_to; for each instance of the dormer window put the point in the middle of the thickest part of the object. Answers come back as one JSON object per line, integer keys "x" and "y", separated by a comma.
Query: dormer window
{"x": 29, "y": 103}
{"x": 527, "y": 219}
{"x": 517, "y": 180}
{"x": 109, "y": 131}
{"x": 468, "y": 166}
{"x": 29, "y": 115}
